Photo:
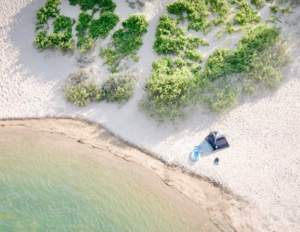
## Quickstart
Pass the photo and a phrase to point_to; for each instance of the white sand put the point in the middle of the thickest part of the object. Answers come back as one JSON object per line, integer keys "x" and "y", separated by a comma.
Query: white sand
{"x": 262, "y": 166}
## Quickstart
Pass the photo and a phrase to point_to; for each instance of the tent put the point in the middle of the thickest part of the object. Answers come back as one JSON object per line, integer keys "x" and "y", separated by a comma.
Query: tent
{"x": 217, "y": 140}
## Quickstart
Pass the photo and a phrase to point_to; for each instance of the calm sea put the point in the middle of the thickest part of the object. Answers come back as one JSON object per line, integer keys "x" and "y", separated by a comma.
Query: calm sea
{"x": 51, "y": 183}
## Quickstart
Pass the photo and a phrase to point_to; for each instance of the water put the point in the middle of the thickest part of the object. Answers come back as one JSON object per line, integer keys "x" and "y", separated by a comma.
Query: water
{"x": 51, "y": 183}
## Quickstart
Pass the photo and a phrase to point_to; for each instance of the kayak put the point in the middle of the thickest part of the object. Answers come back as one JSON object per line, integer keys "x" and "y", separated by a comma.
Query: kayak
{"x": 196, "y": 153}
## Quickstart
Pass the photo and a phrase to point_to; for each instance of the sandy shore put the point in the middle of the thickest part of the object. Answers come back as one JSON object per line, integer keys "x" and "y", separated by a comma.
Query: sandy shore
{"x": 262, "y": 166}
{"x": 229, "y": 213}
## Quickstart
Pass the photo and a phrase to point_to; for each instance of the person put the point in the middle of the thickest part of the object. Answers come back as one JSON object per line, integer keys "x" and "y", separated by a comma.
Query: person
{"x": 216, "y": 161}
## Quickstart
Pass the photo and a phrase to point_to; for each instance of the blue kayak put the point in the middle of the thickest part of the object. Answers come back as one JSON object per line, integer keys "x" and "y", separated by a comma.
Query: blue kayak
{"x": 196, "y": 153}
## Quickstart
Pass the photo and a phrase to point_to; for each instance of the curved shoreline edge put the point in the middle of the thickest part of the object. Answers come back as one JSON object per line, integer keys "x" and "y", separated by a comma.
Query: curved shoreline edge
{"x": 228, "y": 211}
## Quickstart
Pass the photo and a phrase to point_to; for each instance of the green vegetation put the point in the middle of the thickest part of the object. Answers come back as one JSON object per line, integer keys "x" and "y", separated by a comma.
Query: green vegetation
{"x": 126, "y": 41}
{"x": 203, "y": 42}
{"x": 104, "y": 5}
{"x": 48, "y": 11}
{"x": 194, "y": 55}
{"x": 221, "y": 97}
{"x": 175, "y": 84}
{"x": 118, "y": 88}
{"x": 84, "y": 43}
{"x": 258, "y": 3}
{"x": 223, "y": 62}
{"x": 246, "y": 15}
{"x": 169, "y": 89}
{"x": 61, "y": 38}
{"x": 101, "y": 27}
{"x": 196, "y": 10}
{"x": 266, "y": 68}
{"x": 81, "y": 89}
{"x": 170, "y": 38}
{"x": 88, "y": 29}
{"x": 277, "y": 9}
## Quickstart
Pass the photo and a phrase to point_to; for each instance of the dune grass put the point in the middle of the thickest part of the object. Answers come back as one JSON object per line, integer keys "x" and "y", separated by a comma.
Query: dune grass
{"x": 81, "y": 88}
{"x": 175, "y": 85}
{"x": 103, "y": 5}
{"x": 88, "y": 29}
{"x": 125, "y": 42}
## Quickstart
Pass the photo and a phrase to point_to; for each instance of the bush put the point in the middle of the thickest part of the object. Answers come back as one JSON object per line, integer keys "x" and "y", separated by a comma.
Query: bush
{"x": 102, "y": 26}
{"x": 194, "y": 55}
{"x": 126, "y": 41}
{"x": 266, "y": 68}
{"x": 170, "y": 89}
{"x": 258, "y": 3}
{"x": 63, "y": 24}
{"x": 105, "y": 5}
{"x": 203, "y": 42}
{"x": 217, "y": 64}
{"x": 223, "y": 62}
{"x": 119, "y": 88}
{"x": 83, "y": 22}
{"x": 84, "y": 44}
{"x": 48, "y": 11}
{"x": 42, "y": 41}
{"x": 196, "y": 10}
{"x": 246, "y": 14}
{"x": 80, "y": 90}
{"x": 170, "y": 38}
{"x": 222, "y": 99}
{"x": 220, "y": 6}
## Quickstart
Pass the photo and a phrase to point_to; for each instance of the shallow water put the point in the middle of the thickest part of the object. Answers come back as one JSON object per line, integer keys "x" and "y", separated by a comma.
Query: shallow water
{"x": 51, "y": 183}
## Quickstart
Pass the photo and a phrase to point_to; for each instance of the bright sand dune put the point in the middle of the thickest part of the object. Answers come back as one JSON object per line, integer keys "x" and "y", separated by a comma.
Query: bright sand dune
{"x": 262, "y": 166}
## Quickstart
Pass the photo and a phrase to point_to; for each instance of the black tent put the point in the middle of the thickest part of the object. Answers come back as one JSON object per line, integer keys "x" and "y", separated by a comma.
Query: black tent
{"x": 217, "y": 140}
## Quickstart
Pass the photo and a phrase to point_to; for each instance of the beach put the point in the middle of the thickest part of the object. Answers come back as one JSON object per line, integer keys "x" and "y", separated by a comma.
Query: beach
{"x": 261, "y": 169}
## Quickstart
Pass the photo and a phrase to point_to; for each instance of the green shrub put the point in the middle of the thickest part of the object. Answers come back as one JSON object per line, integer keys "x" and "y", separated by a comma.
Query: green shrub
{"x": 246, "y": 14}
{"x": 197, "y": 12}
{"x": 170, "y": 89}
{"x": 220, "y": 6}
{"x": 229, "y": 28}
{"x": 217, "y": 21}
{"x": 62, "y": 41}
{"x": 105, "y": 5}
{"x": 63, "y": 24}
{"x": 275, "y": 9}
{"x": 84, "y": 43}
{"x": 119, "y": 88}
{"x": 83, "y": 22}
{"x": 48, "y": 11}
{"x": 102, "y": 26}
{"x": 42, "y": 41}
{"x": 126, "y": 41}
{"x": 170, "y": 38}
{"x": 223, "y": 62}
{"x": 194, "y": 55}
{"x": 257, "y": 40}
{"x": 266, "y": 68}
{"x": 258, "y": 3}
{"x": 203, "y": 42}
{"x": 80, "y": 90}
{"x": 221, "y": 99}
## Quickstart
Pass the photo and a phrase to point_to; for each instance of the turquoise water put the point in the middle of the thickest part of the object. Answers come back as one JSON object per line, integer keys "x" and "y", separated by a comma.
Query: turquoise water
{"x": 51, "y": 183}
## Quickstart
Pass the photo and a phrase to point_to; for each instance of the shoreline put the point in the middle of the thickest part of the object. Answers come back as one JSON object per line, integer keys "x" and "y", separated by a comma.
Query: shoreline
{"x": 262, "y": 165}
{"x": 228, "y": 212}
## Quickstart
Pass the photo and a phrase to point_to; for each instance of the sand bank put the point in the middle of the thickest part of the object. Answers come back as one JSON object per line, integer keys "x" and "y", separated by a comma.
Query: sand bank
{"x": 229, "y": 213}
